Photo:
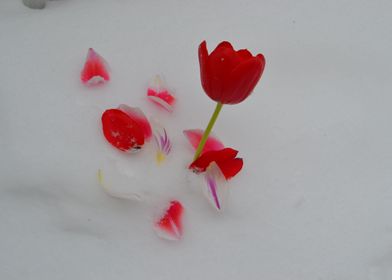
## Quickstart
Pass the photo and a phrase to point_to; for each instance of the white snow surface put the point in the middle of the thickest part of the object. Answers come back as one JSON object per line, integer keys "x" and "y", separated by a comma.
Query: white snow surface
{"x": 314, "y": 200}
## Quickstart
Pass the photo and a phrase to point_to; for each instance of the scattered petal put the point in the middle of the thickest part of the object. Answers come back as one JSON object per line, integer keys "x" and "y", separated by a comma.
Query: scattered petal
{"x": 162, "y": 142}
{"x": 110, "y": 191}
{"x": 225, "y": 159}
{"x": 138, "y": 116}
{"x": 160, "y": 95}
{"x": 231, "y": 167}
{"x": 201, "y": 163}
{"x": 194, "y": 136}
{"x": 122, "y": 131}
{"x": 215, "y": 188}
{"x": 169, "y": 225}
{"x": 95, "y": 70}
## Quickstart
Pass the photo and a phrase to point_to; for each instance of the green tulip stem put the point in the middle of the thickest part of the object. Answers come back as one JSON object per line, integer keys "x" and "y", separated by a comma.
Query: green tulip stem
{"x": 208, "y": 130}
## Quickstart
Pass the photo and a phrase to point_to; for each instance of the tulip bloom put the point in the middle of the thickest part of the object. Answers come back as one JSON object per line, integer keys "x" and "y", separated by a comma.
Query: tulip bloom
{"x": 227, "y": 77}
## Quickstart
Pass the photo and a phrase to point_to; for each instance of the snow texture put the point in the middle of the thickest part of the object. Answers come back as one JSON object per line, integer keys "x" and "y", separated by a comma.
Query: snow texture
{"x": 314, "y": 199}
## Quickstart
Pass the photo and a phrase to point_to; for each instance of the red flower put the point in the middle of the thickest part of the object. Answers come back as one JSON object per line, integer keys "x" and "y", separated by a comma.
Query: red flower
{"x": 225, "y": 159}
{"x": 229, "y": 76}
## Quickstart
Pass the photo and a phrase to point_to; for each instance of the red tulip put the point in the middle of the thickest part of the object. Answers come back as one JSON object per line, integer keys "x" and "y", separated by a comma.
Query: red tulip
{"x": 229, "y": 76}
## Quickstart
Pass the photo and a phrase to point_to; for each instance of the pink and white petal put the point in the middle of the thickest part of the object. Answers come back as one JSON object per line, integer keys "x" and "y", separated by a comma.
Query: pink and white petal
{"x": 169, "y": 225}
{"x": 157, "y": 84}
{"x": 117, "y": 193}
{"x": 215, "y": 188}
{"x": 137, "y": 115}
{"x": 95, "y": 69}
{"x": 160, "y": 100}
{"x": 194, "y": 136}
{"x": 159, "y": 94}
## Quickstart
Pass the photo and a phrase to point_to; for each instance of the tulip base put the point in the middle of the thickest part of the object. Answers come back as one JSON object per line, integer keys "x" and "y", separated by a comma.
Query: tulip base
{"x": 208, "y": 130}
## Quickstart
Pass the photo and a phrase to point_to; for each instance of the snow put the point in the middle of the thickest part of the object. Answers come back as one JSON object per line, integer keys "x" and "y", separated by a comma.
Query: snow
{"x": 314, "y": 198}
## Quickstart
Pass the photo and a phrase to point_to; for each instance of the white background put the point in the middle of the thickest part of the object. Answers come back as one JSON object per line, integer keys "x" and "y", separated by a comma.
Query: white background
{"x": 314, "y": 200}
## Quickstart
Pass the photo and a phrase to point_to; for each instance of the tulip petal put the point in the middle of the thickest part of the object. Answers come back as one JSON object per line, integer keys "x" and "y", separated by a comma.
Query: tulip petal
{"x": 225, "y": 159}
{"x": 204, "y": 69}
{"x": 220, "y": 63}
{"x": 216, "y": 189}
{"x": 138, "y": 116}
{"x": 201, "y": 163}
{"x": 194, "y": 136}
{"x": 223, "y": 46}
{"x": 95, "y": 70}
{"x": 243, "y": 79}
{"x": 158, "y": 93}
{"x": 115, "y": 193}
{"x": 244, "y": 54}
{"x": 162, "y": 141}
{"x": 169, "y": 226}
{"x": 122, "y": 131}
{"x": 231, "y": 167}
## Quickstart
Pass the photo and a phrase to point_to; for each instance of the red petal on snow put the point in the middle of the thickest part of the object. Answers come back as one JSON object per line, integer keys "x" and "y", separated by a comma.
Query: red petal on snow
{"x": 163, "y": 98}
{"x": 205, "y": 160}
{"x": 138, "y": 116}
{"x": 122, "y": 131}
{"x": 159, "y": 94}
{"x": 231, "y": 167}
{"x": 95, "y": 69}
{"x": 194, "y": 137}
{"x": 170, "y": 224}
{"x": 225, "y": 159}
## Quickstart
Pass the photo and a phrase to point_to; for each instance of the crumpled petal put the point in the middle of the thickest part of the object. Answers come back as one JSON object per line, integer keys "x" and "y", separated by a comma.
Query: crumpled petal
{"x": 95, "y": 70}
{"x": 138, "y": 116}
{"x": 194, "y": 136}
{"x": 225, "y": 159}
{"x": 116, "y": 193}
{"x": 215, "y": 188}
{"x": 230, "y": 168}
{"x": 122, "y": 131}
{"x": 169, "y": 226}
{"x": 158, "y": 93}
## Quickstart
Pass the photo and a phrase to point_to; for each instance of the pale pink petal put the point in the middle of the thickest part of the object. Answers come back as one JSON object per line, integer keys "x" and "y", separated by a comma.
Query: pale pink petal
{"x": 158, "y": 93}
{"x": 95, "y": 70}
{"x": 169, "y": 225}
{"x": 194, "y": 136}
{"x": 137, "y": 115}
{"x": 215, "y": 189}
